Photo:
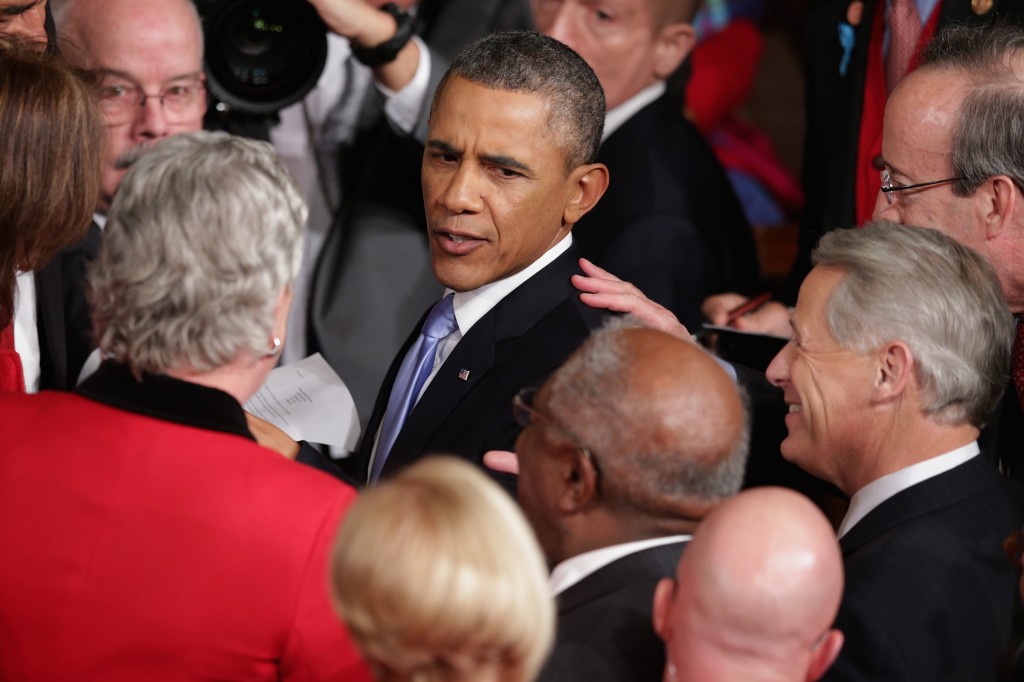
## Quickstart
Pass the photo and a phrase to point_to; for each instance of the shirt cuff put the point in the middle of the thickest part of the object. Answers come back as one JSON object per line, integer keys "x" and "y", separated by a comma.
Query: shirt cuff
{"x": 403, "y": 107}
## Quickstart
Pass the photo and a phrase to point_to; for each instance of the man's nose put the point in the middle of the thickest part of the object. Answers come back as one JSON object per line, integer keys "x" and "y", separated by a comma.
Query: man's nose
{"x": 884, "y": 210}
{"x": 561, "y": 26}
{"x": 463, "y": 194}
{"x": 778, "y": 370}
{"x": 150, "y": 119}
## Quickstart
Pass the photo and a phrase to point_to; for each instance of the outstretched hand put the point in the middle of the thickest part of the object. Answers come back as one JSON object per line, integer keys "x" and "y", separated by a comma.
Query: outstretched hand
{"x": 269, "y": 436}
{"x": 601, "y": 289}
{"x": 502, "y": 461}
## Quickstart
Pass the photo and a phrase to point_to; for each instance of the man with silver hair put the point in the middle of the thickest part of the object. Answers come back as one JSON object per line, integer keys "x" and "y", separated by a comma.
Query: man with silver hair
{"x": 953, "y": 147}
{"x": 155, "y": 537}
{"x": 899, "y": 355}
{"x": 619, "y": 460}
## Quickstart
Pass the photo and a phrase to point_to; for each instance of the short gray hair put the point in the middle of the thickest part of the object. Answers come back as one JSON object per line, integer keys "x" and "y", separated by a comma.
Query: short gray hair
{"x": 942, "y": 299}
{"x": 628, "y": 428}
{"x": 988, "y": 136}
{"x": 203, "y": 235}
{"x": 528, "y": 62}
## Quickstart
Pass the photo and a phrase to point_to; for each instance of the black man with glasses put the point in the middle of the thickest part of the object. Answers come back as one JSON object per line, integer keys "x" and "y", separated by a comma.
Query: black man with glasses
{"x": 619, "y": 459}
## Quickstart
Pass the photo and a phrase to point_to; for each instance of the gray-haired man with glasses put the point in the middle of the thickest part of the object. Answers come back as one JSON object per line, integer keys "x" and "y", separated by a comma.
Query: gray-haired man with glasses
{"x": 619, "y": 459}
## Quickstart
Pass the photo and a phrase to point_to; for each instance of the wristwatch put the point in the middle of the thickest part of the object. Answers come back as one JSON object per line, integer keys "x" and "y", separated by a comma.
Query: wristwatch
{"x": 389, "y": 49}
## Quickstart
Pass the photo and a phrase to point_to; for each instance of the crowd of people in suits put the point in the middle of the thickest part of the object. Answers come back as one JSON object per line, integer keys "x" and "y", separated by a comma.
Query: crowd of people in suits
{"x": 516, "y": 192}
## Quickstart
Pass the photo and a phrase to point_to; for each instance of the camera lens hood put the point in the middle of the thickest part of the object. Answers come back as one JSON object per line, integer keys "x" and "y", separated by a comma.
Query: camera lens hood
{"x": 262, "y": 55}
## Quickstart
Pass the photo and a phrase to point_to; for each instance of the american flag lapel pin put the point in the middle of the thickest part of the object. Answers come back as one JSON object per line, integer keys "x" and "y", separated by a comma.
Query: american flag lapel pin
{"x": 464, "y": 374}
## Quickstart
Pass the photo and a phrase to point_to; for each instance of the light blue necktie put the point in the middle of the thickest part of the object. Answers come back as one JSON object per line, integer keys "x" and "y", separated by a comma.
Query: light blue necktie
{"x": 416, "y": 367}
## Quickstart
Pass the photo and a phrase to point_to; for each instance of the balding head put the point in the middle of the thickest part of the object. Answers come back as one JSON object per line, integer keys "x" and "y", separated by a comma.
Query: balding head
{"x": 756, "y": 593}
{"x": 665, "y": 429}
{"x": 138, "y": 46}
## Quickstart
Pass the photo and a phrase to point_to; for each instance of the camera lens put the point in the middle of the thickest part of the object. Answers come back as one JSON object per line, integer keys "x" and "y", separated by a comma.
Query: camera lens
{"x": 262, "y": 55}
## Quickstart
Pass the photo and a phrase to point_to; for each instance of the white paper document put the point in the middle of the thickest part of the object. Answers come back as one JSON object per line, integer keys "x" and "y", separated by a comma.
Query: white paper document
{"x": 308, "y": 401}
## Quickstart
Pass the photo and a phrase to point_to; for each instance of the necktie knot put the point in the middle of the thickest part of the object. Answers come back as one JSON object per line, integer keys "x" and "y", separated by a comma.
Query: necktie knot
{"x": 441, "y": 321}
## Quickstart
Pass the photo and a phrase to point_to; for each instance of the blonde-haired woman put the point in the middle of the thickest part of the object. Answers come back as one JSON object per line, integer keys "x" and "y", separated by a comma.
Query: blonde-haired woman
{"x": 440, "y": 579}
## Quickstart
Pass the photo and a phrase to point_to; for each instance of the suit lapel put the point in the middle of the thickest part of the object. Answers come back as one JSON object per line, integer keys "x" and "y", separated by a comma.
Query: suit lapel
{"x": 513, "y": 316}
{"x": 967, "y": 480}
{"x": 50, "y": 321}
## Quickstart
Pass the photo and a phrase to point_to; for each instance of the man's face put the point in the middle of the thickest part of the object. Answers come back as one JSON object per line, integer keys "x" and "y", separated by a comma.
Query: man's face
{"x": 495, "y": 186}
{"x": 616, "y": 37}
{"x": 153, "y": 47}
{"x": 538, "y": 485}
{"x": 826, "y": 387}
{"x": 916, "y": 145}
{"x": 24, "y": 19}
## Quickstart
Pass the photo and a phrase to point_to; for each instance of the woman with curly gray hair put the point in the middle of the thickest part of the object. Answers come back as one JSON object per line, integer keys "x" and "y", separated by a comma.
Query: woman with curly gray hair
{"x": 154, "y": 537}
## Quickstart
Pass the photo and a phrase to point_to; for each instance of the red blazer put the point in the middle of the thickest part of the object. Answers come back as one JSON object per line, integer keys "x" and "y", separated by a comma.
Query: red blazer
{"x": 137, "y": 548}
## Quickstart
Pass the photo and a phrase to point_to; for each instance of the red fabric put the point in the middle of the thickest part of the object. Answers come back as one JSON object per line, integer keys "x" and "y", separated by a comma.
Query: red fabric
{"x": 743, "y": 147}
{"x": 870, "y": 141}
{"x": 12, "y": 375}
{"x": 134, "y": 548}
{"x": 904, "y": 40}
{"x": 1017, "y": 364}
{"x": 724, "y": 68}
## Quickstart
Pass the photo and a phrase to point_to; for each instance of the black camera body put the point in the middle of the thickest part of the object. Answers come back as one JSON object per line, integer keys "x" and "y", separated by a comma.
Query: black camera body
{"x": 261, "y": 55}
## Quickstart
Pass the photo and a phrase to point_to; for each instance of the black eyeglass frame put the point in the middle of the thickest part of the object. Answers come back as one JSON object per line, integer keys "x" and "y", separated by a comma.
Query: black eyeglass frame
{"x": 524, "y": 413}
{"x": 888, "y": 188}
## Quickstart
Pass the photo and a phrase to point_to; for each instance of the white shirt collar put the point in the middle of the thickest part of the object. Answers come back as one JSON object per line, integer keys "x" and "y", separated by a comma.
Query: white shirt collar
{"x": 614, "y": 119}
{"x": 575, "y": 569}
{"x": 470, "y": 306}
{"x": 26, "y": 330}
{"x": 881, "y": 489}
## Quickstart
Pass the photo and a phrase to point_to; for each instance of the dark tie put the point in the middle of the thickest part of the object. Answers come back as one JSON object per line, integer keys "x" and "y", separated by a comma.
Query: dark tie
{"x": 1017, "y": 362}
{"x": 12, "y": 376}
{"x": 416, "y": 367}
{"x": 904, "y": 33}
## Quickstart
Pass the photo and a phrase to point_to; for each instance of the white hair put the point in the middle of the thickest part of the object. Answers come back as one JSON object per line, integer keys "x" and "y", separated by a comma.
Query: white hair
{"x": 942, "y": 299}
{"x": 204, "y": 234}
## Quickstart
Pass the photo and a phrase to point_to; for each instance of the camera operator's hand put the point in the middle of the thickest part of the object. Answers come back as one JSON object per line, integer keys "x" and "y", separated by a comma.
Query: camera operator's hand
{"x": 367, "y": 26}
{"x": 358, "y": 20}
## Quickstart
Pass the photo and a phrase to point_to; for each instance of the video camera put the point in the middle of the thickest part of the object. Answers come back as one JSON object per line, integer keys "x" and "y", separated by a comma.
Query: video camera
{"x": 261, "y": 55}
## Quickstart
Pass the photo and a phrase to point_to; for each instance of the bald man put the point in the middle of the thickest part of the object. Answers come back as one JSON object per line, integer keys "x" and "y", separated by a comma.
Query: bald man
{"x": 619, "y": 460}
{"x": 755, "y": 594}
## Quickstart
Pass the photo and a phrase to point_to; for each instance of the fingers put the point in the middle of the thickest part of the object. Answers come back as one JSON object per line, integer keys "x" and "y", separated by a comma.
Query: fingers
{"x": 502, "y": 461}
{"x": 771, "y": 318}
{"x": 717, "y": 308}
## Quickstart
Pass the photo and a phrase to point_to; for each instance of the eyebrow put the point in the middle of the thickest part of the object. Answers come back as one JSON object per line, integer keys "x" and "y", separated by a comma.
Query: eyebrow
{"x": 104, "y": 72}
{"x": 503, "y": 160}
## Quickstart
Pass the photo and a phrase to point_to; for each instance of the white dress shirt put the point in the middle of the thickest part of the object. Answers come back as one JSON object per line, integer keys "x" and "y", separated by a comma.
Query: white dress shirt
{"x": 26, "y": 330}
{"x": 575, "y": 569}
{"x": 881, "y": 489}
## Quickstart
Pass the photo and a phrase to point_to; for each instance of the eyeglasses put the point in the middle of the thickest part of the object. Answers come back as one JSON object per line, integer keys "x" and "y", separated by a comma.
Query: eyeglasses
{"x": 524, "y": 413}
{"x": 888, "y": 188}
{"x": 121, "y": 102}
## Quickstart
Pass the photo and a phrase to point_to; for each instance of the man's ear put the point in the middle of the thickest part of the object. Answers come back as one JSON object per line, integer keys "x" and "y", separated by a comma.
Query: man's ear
{"x": 663, "y": 606}
{"x": 895, "y": 370}
{"x": 672, "y": 45}
{"x": 589, "y": 183}
{"x": 824, "y": 655}
{"x": 999, "y": 198}
{"x": 578, "y": 479}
